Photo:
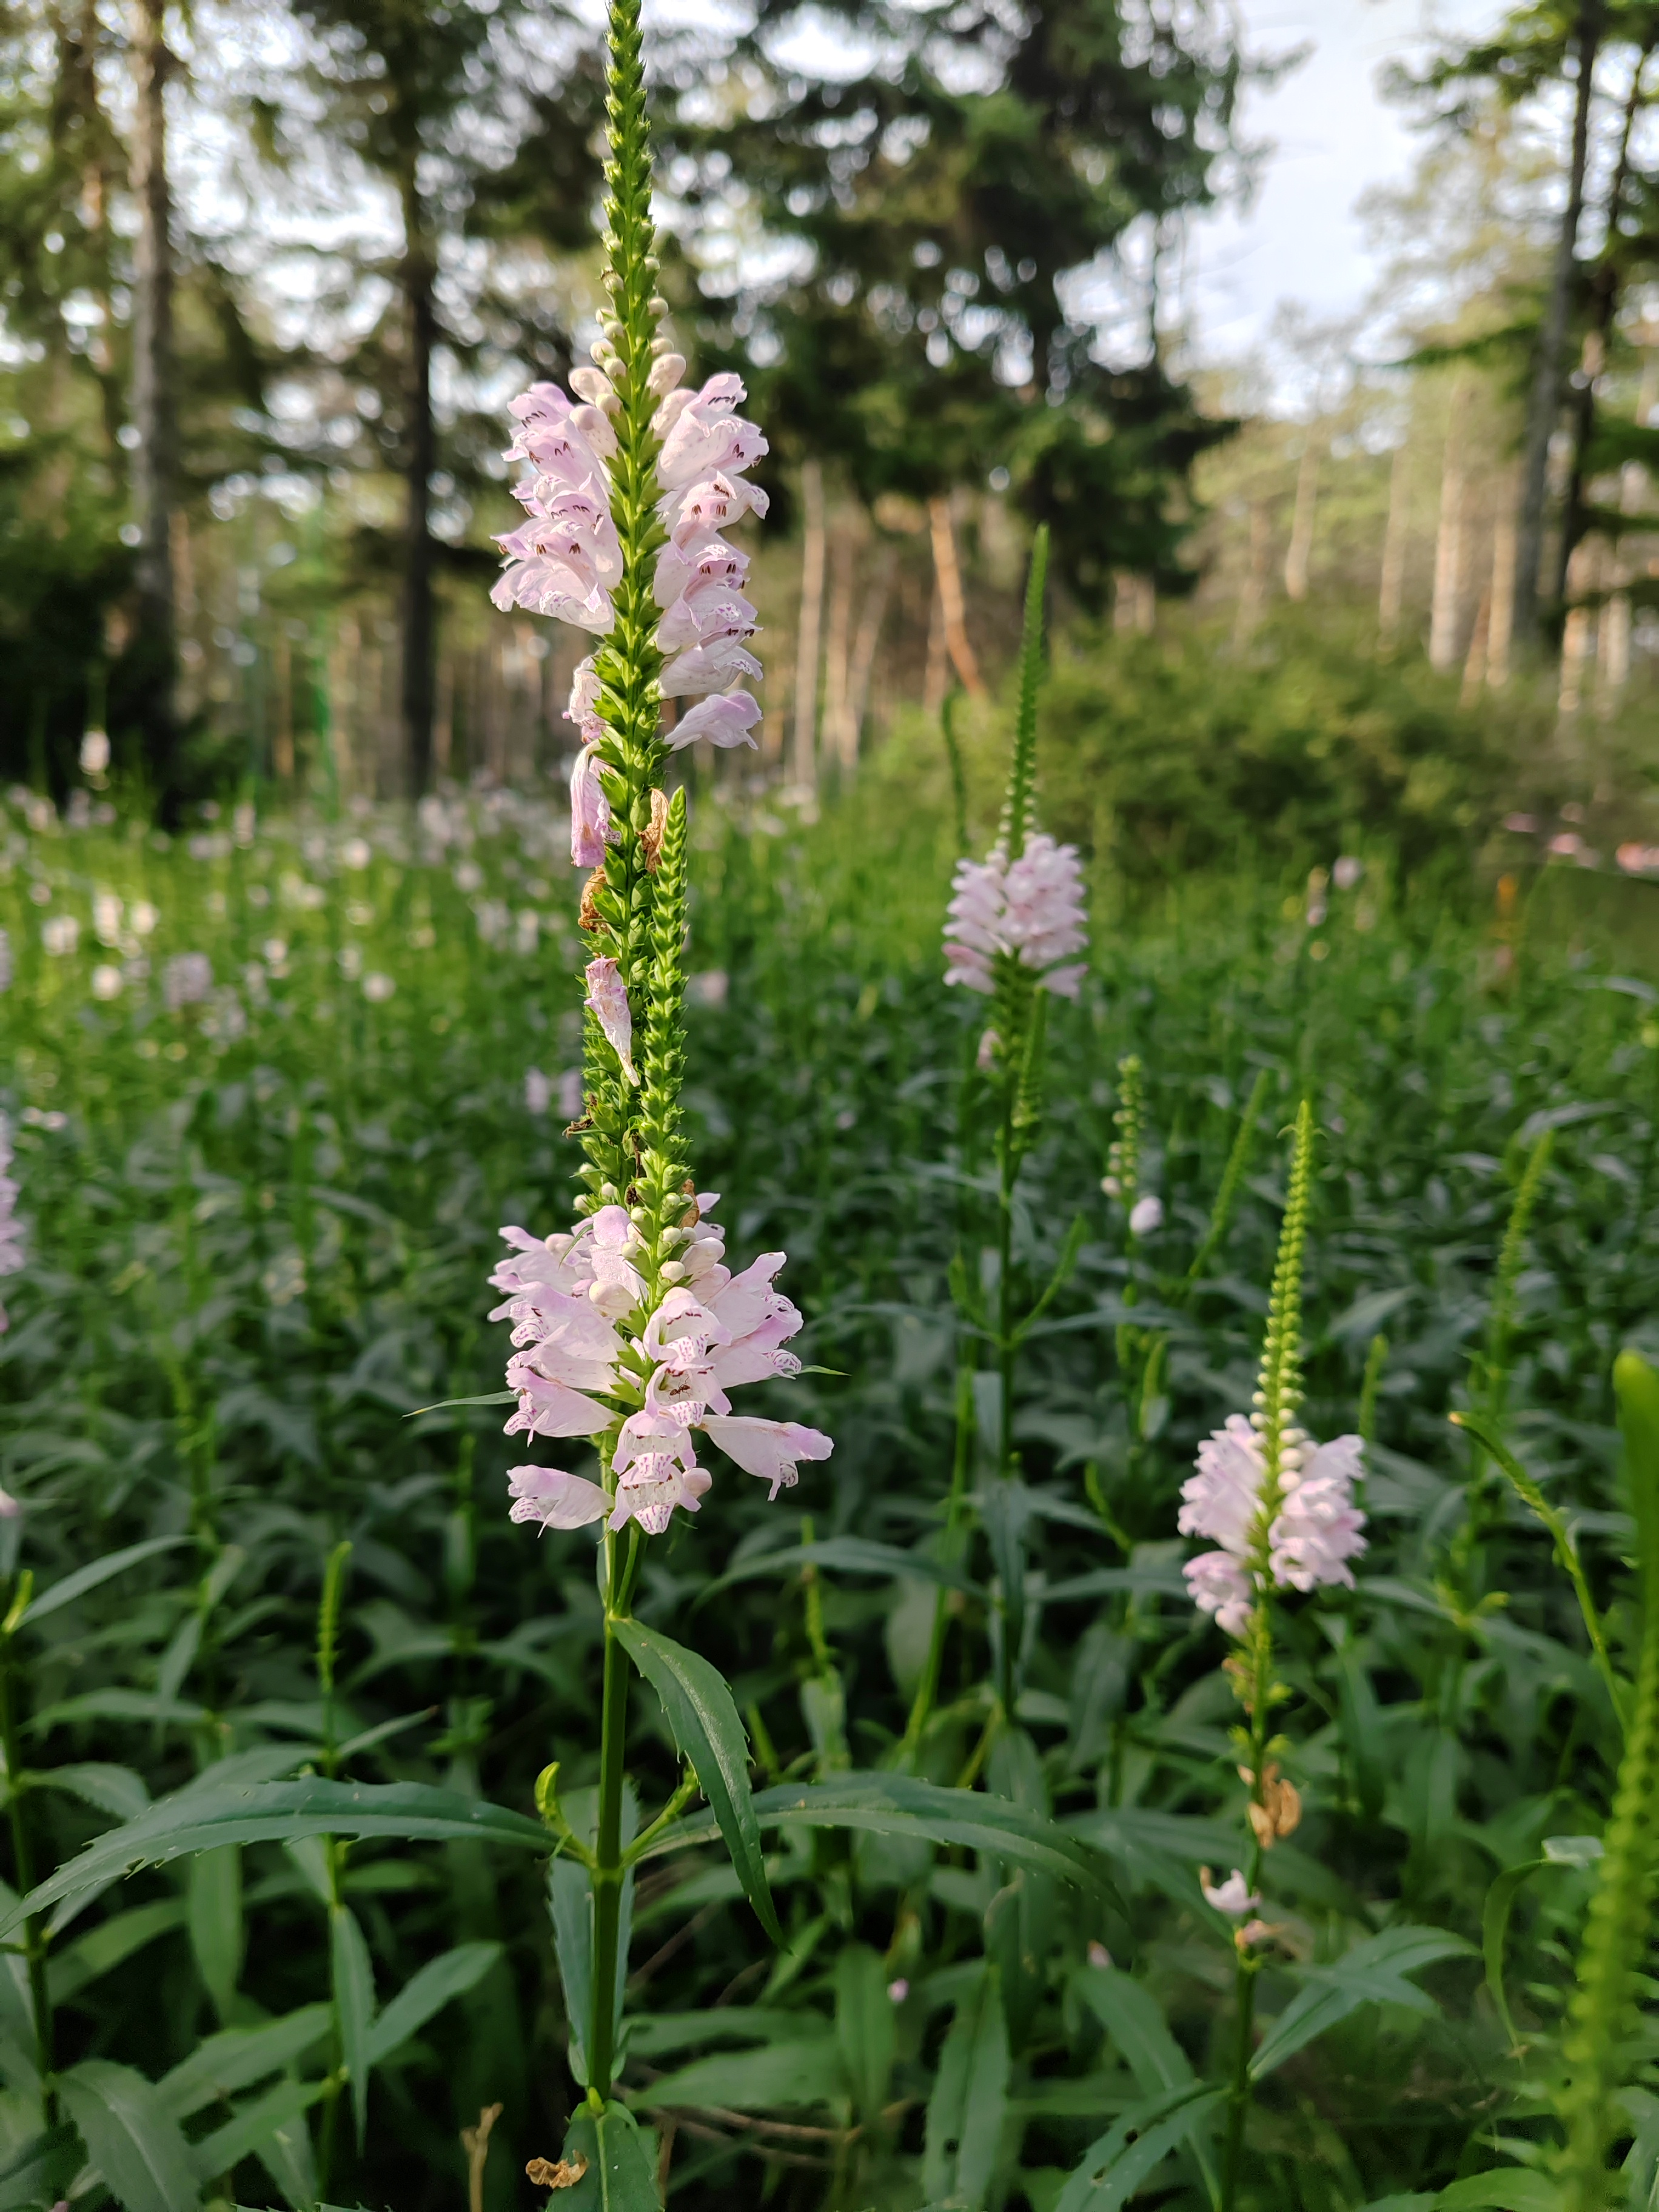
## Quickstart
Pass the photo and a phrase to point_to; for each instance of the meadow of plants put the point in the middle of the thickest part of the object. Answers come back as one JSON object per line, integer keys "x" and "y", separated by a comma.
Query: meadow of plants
{"x": 274, "y": 1087}
{"x": 892, "y": 1808}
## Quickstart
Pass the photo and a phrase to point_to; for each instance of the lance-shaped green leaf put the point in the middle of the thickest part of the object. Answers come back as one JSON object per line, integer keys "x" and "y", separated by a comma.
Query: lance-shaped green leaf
{"x": 969, "y": 2103}
{"x": 237, "y": 2057}
{"x": 201, "y": 1819}
{"x": 254, "y": 2126}
{"x": 851, "y": 1555}
{"x": 1139, "y": 2141}
{"x": 703, "y": 1716}
{"x": 901, "y": 1805}
{"x": 619, "y": 2162}
{"x": 130, "y": 2136}
{"x": 353, "y": 1976}
{"x": 1373, "y": 1973}
{"x": 95, "y": 1572}
{"x": 450, "y": 1975}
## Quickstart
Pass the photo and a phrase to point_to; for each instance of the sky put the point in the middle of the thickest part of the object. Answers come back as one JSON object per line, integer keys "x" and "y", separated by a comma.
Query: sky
{"x": 1334, "y": 136}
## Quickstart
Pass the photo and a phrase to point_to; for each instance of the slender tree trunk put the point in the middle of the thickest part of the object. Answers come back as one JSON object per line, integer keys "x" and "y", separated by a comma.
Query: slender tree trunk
{"x": 803, "y": 761}
{"x": 1604, "y": 303}
{"x": 1445, "y": 614}
{"x": 837, "y": 644}
{"x": 419, "y": 641}
{"x": 1391, "y": 587}
{"x": 864, "y": 654}
{"x": 952, "y": 607}
{"x": 1299, "y": 556}
{"x": 1254, "y": 596}
{"x": 155, "y": 474}
{"x": 1500, "y": 625}
{"x": 1544, "y": 400}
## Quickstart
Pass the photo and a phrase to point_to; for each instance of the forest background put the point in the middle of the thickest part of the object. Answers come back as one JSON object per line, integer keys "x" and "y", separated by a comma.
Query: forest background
{"x": 269, "y": 276}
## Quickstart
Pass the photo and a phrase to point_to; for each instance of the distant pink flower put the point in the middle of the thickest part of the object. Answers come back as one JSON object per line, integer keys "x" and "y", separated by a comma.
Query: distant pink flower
{"x": 725, "y": 719}
{"x": 769, "y": 1450}
{"x": 590, "y": 811}
{"x": 607, "y": 1001}
{"x": 554, "y": 1498}
{"x": 1031, "y": 909}
{"x": 1146, "y": 1217}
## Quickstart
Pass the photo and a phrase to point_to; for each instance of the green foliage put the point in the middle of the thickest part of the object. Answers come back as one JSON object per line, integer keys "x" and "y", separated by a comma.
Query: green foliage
{"x": 247, "y": 1260}
{"x": 1166, "y": 755}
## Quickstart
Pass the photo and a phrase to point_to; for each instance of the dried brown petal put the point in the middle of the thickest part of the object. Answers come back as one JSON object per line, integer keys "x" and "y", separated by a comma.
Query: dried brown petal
{"x": 545, "y": 2173}
{"x": 651, "y": 839}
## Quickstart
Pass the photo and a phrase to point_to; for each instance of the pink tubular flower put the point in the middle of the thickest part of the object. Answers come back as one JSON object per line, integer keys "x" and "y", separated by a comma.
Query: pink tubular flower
{"x": 554, "y": 1498}
{"x": 769, "y": 1450}
{"x": 726, "y": 719}
{"x": 1318, "y": 1527}
{"x": 590, "y": 811}
{"x": 607, "y": 1001}
{"x": 1315, "y": 1531}
{"x": 1234, "y": 1896}
{"x": 1031, "y": 908}
{"x": 574, "y": 1301}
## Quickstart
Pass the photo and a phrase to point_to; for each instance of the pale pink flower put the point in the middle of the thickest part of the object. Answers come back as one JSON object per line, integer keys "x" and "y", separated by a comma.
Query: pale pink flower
{"x": 584, "y": 693}
{"x": 554, "y": 1498}
{"x": 726, "y": 719}
{"x": 769, "y": 1450}
{"x": 1218, "y": 1584}
{"x": 1031, "y": 908}
{"x": 1315, "y": 1531}
{"x": 704, "y": 434}
{"x": 1222, "y": 1500}
{"x": 551, "y": 1409}
{"x": 607, "y": 1001}
{"x": 653, "y": 1484}
{"x": 590, "y": 811}
{"x": 715, "y": 504}
{"x": 709, "y": 667}
{"x": 537, "y": 1092}
{"x": 1234, "y": 1896}
{"x": 1146, "y": 1217}
{"x": 972, "y": 928}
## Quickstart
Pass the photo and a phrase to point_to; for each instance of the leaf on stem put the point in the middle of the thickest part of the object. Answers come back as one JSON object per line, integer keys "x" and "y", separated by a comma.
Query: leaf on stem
{"x": 206, "y": 1815}
{"x": 709, "y": 1733}
{"x": 130, "y": 2136}
{"x": 1373, "y": 1973}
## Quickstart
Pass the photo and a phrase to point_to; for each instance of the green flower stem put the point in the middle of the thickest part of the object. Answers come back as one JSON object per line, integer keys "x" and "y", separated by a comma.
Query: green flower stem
{"x": 12, "y": 1676}
{"x": 1279, "y": 1395}
{"x": 928, "y": 1688}
{"x": 1603, "y": 2014}
{"x": 609, "y": 1870}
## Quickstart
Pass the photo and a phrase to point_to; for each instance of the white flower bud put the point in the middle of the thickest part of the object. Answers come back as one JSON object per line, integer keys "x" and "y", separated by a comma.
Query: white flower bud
{"x": 665, "y": 372}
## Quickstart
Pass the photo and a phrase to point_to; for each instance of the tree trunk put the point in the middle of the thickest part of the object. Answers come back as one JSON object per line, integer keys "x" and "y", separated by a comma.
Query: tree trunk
{"x": 1500, "y": 624}
{"x": 804, "y": 760}
{"x": 418, "y": 276}
{"x": 1604, "y": 303}
{"x": 1254, "y": 596}
{"x": 864, "y": 654}
{"x": 837, "y": 644}
{"x": 1445, "y": 614}
{"x": 154, "y": 414}
{"x": 1391, "y": 586}
{"x": 953, "y": 608}
{"x": 1543, "y": 399}
{"x": 1299, "y": 556}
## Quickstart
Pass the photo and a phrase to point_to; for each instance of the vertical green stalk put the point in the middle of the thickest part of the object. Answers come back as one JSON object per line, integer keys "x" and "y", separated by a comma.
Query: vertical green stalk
{"x": 328, "y": 1640}
{"x": 621, "y": 1569}
{"x": 1279, "y": 1394}
{"x": 928, "y": 1688}
{"x": 13, "y": 1677}
{"x": 1493, "y": 1372}
{"x": 1603, "y": 2014}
